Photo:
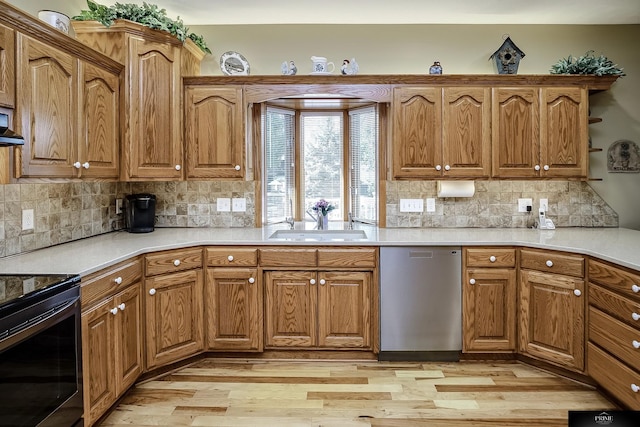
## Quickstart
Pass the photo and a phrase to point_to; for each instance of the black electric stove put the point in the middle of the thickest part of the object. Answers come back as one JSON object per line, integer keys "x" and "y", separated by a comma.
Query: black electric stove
{"x": 18, "y": 291}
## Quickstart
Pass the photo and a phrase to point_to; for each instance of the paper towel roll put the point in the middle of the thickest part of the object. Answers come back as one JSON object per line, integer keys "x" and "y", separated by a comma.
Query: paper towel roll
{"x": 456, "y": 188}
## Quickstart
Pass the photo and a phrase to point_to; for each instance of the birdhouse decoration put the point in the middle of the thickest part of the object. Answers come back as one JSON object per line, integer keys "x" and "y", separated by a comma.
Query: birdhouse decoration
{"x": 507, "y": 57}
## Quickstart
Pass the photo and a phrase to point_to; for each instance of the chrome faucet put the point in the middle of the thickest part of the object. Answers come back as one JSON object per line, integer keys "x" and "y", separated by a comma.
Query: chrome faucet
{"x": 289, "y": 220}
{"x": 350, "y": 226}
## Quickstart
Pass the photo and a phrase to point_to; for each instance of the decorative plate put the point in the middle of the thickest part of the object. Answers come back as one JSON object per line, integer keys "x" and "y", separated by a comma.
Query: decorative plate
{"x": 234, "y": 64}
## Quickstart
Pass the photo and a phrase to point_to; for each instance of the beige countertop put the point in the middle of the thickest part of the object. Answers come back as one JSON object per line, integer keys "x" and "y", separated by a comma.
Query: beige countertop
{"x": 618, "y": 245}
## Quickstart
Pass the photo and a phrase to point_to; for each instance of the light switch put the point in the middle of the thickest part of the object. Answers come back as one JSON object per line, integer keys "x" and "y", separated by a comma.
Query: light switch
{"x": 431, "y": 205}
{"x": 223, "y": 204}
{"x": 239, "y": 204}
{"x": 411, "y": 205}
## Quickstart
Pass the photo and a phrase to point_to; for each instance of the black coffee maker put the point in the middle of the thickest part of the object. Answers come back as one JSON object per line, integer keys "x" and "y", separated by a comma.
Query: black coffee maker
{"x": 139, "y": 212}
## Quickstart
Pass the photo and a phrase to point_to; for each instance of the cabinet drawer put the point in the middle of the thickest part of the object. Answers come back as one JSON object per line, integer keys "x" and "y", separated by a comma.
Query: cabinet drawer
{"x": 614, "y": 336}
{"x": 552, "y": 262}
{"x": 240, "y": 257}
{"x": 490, "y": 257}
{"x": 614, "y": 376}
{"x": 287, "y": 257}
{"x": 625, "y": 281}
{"x": 108, "y": 282}
{"x": 623, "y": 309}
{"x": 171, "y": 261}
{"x": 347, "y": 257}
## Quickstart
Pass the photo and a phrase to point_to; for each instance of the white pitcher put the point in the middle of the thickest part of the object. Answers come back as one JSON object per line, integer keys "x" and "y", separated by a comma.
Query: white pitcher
{"x": 320, "y": 65}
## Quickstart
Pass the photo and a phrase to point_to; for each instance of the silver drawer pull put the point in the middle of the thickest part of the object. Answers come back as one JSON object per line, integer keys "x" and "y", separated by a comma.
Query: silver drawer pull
{"x": 635, "y": 388}
{"x": 577, "y": 292}
{"x": 312, "y": 281}
{"x": 230, "y": 258}
{"x": 252, "y": 280}
{"x": 114, "y": 310}
{"x": 635, "y": 288}
{"x": 121, "y": 307}
{"x": 549, "y": 263}
{"x": 472, "y": 281}
{"x": 152, "y": 291}
{"x": 176, "y": 262}
{"x": 117, "y": 280}
{"x": 635, "y": 344}
{"x": 635, "y": 316}
{"x": 322, "y": 281}
{"x": 492, "y": 258}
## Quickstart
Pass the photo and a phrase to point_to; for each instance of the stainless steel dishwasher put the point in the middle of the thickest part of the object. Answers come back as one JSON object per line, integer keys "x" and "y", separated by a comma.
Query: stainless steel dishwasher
{"x": 420, "y": 303}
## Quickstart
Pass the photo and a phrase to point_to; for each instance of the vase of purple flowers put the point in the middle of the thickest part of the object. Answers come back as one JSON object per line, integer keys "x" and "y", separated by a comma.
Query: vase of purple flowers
{"x": 322, "y": 209}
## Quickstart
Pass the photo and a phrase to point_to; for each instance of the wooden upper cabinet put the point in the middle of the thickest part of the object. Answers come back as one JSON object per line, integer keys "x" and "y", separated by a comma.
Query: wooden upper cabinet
{"x": 214, "y": 132}
{"x": 417, "y": 130}
{"x": 466, "y": 126}
{"x": 564, "y": 142}
{"x": 46, "y": 113}
{"x": 153, "y": 144}
{"x": 7, "y": 67}
{"x": 99, "y": 136}
{"x": 515, "y": 132}
{"x": 441, "y": 132}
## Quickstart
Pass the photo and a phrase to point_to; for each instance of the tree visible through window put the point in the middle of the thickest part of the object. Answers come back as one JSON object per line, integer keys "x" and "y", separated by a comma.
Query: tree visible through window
{"x": 292, "y": 184}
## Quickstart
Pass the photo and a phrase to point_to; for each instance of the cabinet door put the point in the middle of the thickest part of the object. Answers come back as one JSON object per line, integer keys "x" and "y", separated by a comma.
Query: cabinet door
{"x": 489, "y": 310}
{"x": 515, "y": 132}
{"x": 214, "y": 132}
{"x": 344, "y": 309}
{"x": 128, "y": 337}
{"x": 47, "y": 110}
{"x": 97, "y": 360}
{"x": 233, "y": 309}
{"x": 153, "y": 145}
{"x": 564, "y": 145}
{"x": 290, "y": 309}
{"x": 466, "y": 132}
{"x": 98, "y": 141}
{"x": 174, "y": 308}
{"x": 552, "y": 318}
{"x": 7, "y": 67}
{"x": 417, "y": 132}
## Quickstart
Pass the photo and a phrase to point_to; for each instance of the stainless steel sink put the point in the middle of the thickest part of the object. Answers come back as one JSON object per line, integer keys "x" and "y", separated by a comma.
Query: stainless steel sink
{"x": 319, "y": 235}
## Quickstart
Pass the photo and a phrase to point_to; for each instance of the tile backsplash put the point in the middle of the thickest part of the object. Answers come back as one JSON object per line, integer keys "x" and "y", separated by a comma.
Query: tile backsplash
{"x": 72, "y": 211}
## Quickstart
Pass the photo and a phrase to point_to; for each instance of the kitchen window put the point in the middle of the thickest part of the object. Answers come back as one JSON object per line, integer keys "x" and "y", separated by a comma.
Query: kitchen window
{"x": 311, "y": 155}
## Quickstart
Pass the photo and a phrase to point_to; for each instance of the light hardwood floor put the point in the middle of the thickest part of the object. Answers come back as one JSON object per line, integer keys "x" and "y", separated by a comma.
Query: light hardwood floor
{"x": 336, "y": 393}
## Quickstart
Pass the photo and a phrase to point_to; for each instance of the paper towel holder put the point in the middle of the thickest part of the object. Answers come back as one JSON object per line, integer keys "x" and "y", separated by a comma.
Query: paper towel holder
{"x": 456, "y": 189}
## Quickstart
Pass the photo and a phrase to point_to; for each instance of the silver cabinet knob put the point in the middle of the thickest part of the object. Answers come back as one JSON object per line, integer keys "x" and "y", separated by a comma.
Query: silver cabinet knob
{"x": 472, "y": 281}
{"x": 152, "y": 291}
{"x": 635, "y": 388}
{"x": 635, "y": 288}
{"x": 447, "y": 167}
{"x": 252, "y": 280}
{"x": 545, "y": 167}
{"x": 492, "y": 258}
{"x": 237, "y": 167}
{"x": 176, "y": 262}
{"x": 635, "y": 316}
{"x": 85, "y": 165}
{"x": 549, "y": 263}
{"x": 114, "y": 310}
{"x": 77, "y": 165}
{"x": 312, "y": 281}
{"x": 322, "y": 281}
{"x": 121, "y": 307}
{"x": 438, "y": 167}
{"x": 178, "y": 167}
{"x": 577, "y": 292}
{"x": 536, "y": 167}
{"x": 230, "y": 258}
{"x": 117, "y": 280}
{"x": 635, "y": 344}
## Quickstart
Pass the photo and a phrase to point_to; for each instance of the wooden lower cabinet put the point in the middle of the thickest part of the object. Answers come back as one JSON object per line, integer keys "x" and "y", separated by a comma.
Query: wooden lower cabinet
{"x": 174, "y": 316}
{"x": 233, "y": 309}
{"x": 325, "y": 309}
{"x": 489, "y": 310}
{"x": 112, "y": 350}
{"x": 552, "y": 318}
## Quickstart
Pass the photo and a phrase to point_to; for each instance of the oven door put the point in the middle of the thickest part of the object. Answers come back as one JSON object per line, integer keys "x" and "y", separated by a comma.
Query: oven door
{"x": 40, "y": 364}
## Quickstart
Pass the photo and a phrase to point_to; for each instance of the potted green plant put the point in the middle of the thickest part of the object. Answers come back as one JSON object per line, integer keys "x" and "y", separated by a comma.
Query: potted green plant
{"x": 587, "y": 64}
{"x": 148, "y": 15}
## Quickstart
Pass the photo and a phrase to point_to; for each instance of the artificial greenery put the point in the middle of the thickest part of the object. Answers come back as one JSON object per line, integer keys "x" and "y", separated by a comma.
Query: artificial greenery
{"x": 587, "y": 64}
{"x": 147, "y": 14}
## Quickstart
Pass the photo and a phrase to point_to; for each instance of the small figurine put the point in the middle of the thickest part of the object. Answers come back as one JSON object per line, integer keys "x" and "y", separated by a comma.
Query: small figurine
{"x": 289, "y": 69}
{"x": 349, "y": 68}
{"x": 436, "y": 68}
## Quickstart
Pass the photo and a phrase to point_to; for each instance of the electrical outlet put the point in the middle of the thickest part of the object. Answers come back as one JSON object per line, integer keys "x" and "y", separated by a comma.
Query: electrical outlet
{"x": 239, "y": 204}
{"x": 523, "y": 203}
{"x": 27, "y": 219}
{"x": 223, "y": 204}
{"x": 431, "y": 205}
{"x": 411, "y": 205}
{"x": 544, "y": 205}
{"x": 118, "y": 206}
